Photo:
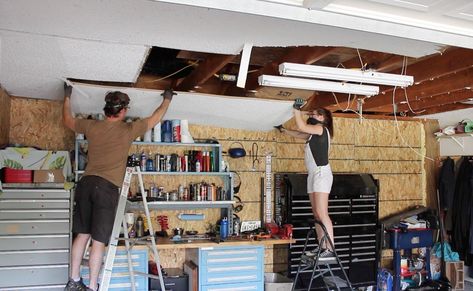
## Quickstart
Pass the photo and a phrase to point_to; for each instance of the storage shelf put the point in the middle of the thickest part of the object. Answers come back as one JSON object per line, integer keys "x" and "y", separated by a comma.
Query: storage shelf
{"x": 214, "y": 145}
{"x": 187, "y": 173}
{"x": 179, "y": 173}
{"x": 456, "y": 137}
{"x": 469, "y": 134}
{"x": 181, "y": 204}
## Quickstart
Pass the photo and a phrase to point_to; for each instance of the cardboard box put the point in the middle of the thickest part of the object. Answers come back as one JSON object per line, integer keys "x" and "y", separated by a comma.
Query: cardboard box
{"x": 48, "y": 176}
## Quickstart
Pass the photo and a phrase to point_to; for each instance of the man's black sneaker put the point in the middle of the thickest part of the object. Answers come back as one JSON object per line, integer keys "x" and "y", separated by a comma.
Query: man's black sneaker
{"x": 75, "y": 286}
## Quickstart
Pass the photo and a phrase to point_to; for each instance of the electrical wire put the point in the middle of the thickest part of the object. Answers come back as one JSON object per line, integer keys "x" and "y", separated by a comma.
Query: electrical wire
{"x": 172, "y": 74}
{"x": 396, "y": 122}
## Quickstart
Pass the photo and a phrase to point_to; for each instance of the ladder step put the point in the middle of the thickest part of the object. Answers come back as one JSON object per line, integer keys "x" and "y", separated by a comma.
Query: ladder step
{"x": 335, "y": 281}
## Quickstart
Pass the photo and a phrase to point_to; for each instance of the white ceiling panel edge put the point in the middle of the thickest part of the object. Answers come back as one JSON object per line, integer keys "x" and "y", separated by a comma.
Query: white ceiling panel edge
{"x": 203, "y": 109}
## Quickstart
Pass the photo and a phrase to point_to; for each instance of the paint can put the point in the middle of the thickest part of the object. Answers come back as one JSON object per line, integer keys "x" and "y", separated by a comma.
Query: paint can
{"x": 157, "y": 132}
{"x": 176, "y": 130}
{"x": 147, "y": 137}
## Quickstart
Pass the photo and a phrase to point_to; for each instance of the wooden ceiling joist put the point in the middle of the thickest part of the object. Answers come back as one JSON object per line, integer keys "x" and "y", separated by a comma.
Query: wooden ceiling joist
{"x": 204, "y": 71}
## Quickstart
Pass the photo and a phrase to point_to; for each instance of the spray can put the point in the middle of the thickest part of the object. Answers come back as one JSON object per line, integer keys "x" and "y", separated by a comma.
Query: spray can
{"x": 139, "y": 227}
{"x": 176, "y": 130}
{"x": 149, "y": 164}
{"x": 143, "y": 162}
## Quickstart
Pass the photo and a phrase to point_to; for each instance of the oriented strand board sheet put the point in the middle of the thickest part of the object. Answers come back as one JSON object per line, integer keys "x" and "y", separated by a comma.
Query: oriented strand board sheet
{"x": 219, "y": 111}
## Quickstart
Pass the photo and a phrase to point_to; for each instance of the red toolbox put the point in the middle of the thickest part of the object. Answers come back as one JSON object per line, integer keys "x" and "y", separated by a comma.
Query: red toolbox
{"x": 17, "y": 176}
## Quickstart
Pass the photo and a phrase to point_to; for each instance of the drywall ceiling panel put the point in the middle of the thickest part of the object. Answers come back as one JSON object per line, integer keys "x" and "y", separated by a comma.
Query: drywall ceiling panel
{"x": 213, "y": 30}
{"x": 463, "y": 12}
{"x": 203, "y": 109}
{"x": 28, "y": 60}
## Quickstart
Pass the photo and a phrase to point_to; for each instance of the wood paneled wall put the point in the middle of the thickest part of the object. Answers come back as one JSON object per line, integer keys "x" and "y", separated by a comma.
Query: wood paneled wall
{"x": 391, "y": 151}
{"x": 38, "y": 123}
{"x": 5, "y": 105}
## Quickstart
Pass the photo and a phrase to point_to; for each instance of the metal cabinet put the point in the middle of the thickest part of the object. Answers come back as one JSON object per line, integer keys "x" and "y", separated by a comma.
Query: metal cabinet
{"x": 34, "y": 238}
{"x": 230, "y": 268}
{"x": 353, "y": 208}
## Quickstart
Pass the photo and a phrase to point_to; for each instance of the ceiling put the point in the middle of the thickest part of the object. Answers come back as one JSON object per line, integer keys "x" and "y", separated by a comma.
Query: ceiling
{"x": 187, "y": 46}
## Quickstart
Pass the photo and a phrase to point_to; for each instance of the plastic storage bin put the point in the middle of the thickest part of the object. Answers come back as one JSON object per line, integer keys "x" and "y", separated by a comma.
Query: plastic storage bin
{"x": 17, "y": 176}
{"x": 277, "y": 282}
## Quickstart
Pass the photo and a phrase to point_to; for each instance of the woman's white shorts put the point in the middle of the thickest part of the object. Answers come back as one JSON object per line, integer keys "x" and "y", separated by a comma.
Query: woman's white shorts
{"x": 320, "y": 179}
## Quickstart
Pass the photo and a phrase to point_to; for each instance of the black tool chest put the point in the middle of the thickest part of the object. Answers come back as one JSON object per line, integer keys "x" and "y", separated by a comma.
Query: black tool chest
{"x": 353, "y": 208}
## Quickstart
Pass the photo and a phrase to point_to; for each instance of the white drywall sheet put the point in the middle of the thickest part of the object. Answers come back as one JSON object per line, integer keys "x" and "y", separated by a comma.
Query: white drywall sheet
{"x": 203, "y": 109}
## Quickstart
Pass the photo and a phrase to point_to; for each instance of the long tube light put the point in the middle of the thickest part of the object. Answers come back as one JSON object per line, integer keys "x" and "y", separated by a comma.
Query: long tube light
{"x": 317, "y": 85}
{"x": 348, "y": 75}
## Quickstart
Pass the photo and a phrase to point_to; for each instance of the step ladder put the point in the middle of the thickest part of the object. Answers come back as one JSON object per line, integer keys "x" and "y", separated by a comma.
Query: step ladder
{"x": 321, "y": 268}
{"x": 132, "y": 168}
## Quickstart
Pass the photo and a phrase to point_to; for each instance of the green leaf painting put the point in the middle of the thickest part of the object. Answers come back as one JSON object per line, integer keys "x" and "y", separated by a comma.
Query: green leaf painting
{"x": 12, "y": 164}
{"x": 58, "y": 163}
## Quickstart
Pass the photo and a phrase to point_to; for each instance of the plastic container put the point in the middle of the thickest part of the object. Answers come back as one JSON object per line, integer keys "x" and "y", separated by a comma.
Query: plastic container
{"x": 166, "y": 131}
{"x": 277, "y": 282}
{"x": 17, "y": 176}
{"x": 157, "y": 132}
{"x": 224, "y": 228}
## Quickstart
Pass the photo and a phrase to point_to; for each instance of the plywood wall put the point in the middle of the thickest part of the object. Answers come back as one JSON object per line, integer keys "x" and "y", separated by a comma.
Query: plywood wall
{"x": 38, "y": 123}
{"x": 5, "y": 104}
{"x": 391, "y": 151}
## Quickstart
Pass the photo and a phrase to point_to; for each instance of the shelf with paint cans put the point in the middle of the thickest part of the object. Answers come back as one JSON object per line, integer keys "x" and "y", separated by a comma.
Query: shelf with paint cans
{"x": 203, "y": 161}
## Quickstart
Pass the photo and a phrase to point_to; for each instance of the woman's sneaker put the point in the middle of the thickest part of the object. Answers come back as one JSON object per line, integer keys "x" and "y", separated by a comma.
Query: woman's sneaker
{"x": 327, "y": 255}
{"x": 312, "y": 253}
{"x": 75, "y": 286}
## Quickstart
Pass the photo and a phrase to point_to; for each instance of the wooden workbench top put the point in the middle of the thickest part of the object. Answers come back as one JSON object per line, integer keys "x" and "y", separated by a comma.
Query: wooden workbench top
{"x": 166, "y": 243}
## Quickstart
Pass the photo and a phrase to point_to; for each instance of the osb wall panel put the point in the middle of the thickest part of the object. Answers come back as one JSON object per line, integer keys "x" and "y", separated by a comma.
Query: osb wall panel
{"x": 431, "y": 165}
{"x": 387, "y": 208}
{"x": 38, "y": 123}
{"x": 387, "y": 153}
{"x": 5, "y": 106}
{"x": 390, "y": 167}
{"x": 388, "y": 133}
{"x": 390, "y": 184}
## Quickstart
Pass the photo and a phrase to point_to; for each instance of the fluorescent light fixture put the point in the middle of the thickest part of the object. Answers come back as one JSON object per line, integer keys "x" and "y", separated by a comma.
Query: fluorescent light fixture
{"x": 348, "y": 75}
{"x": 317, "y": 85}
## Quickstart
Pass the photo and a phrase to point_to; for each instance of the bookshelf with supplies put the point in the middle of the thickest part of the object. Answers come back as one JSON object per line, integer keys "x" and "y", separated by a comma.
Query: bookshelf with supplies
{"x": 177, "y": 175}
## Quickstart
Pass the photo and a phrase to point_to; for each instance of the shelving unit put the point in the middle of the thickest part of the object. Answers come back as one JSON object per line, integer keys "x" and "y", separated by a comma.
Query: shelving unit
{"x": 227, "y": 177}
{"x": 456, "y": 137}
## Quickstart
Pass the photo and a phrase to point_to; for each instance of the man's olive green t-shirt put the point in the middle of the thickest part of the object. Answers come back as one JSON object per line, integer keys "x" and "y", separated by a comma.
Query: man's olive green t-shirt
{"x": 109, "y": 143}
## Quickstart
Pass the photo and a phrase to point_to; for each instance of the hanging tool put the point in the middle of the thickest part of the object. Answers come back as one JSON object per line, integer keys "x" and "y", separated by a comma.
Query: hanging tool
{"x": 254, "y": 155}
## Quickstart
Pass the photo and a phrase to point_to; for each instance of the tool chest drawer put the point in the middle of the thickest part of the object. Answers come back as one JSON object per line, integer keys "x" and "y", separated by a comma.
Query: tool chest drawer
{"x": 32, "y": 258}
{"x": 248, "y": 286}
{"x": 224, "y": 266}
{"x": 34, "y": 204}
{"x": 34, "y": 242}
{"x": 12, "y": 214}
{"x": 14, "y": 227}
{"x": 35, "y": 194}
{"x": 33, "y": 275}
{"x": 120, "y": 280}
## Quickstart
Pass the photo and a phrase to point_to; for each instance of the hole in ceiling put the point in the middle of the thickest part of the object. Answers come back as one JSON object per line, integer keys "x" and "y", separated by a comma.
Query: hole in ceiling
{"x": 163, "y": 62}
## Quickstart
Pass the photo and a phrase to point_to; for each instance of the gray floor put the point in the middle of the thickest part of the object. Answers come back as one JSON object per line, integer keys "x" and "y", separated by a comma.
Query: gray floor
{"x": 468, "y": 285}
